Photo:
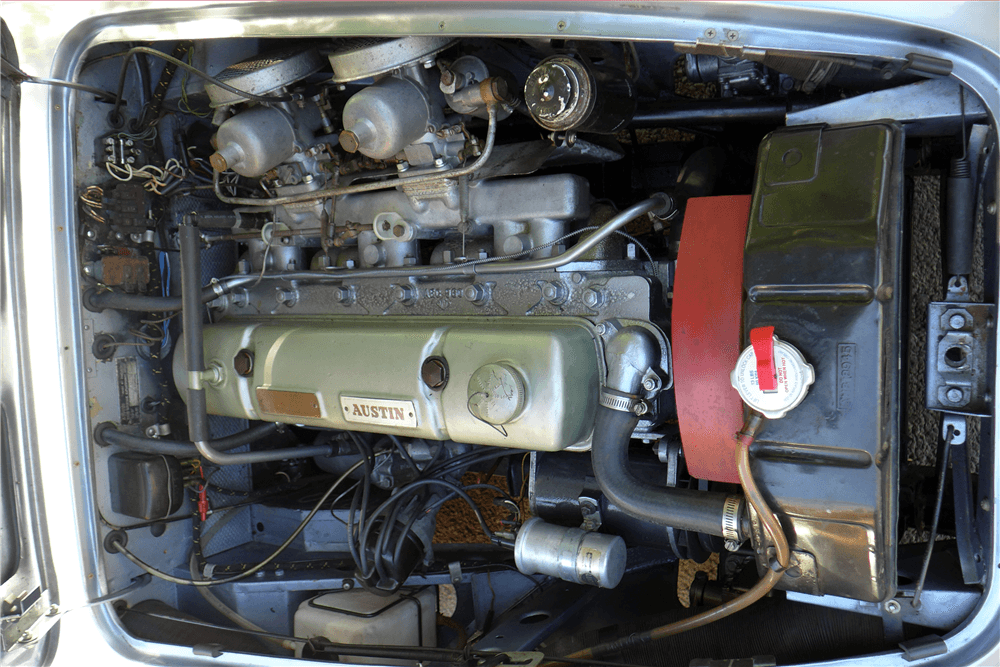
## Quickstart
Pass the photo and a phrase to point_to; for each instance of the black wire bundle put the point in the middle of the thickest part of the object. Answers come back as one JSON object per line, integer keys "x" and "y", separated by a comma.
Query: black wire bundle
{"x": 411, "y": 502}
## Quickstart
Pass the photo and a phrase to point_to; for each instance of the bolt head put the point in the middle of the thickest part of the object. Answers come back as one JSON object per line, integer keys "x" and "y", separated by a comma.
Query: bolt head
{"x": 592, "y": 298}
{"x": 218, "y": 162}
{"x": 710, "y": 33}
{"x": 649, "y": 384}
{"x": 892, "y": 606}
{"x": 601, "y": 329}
{"x": 372, "y": 256}
{"x": 473, "y": 293}
{"x": 956, "y": 322}
{"x": 349, "y": 141}
{"x": 640, "y": 409}
{"x": 91, "y": 234}
{"x": 954, "y": 395}
{"x": 434, "y": 372}
{"x": 732, "y": 545}
{"x": 984, "y": 504}
{"x": 991, "y": 208}
{"x": 439, "y": 162}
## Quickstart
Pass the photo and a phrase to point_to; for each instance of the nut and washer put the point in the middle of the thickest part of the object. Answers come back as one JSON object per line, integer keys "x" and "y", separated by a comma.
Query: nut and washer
{"x": 476, "y": 293}
{"x": 554, "y": 292}
{"x": 287, "y": 297}
{"x": 592, "y": 298}
{"x": 405, "y": 294}
{"x": 345, "y": 296}
{"x": 892, "y": 606}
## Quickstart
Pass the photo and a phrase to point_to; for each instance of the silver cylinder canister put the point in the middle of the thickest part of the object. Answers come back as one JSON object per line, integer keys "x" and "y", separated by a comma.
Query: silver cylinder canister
{"x": 570, "y": 554}
{"x": 252, "y": 142}
{"x": 385, "y": 117}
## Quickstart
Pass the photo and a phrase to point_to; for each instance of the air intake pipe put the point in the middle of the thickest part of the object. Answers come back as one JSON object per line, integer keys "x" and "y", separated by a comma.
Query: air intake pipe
{"x": 630, "y": 354}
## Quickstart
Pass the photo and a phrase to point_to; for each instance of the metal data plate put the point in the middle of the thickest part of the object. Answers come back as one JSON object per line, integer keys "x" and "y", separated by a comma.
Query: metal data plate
{"x": 958, "y": 363}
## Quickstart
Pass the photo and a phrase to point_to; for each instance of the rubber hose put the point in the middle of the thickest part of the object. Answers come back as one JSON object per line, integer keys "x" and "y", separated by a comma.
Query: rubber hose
{"x": 684, "y": 509}
{"x": 107, "y": 434}
{"x": 771, "y": 526}
{"x": 194, "y": 353}
{"x": 97, "y": 301}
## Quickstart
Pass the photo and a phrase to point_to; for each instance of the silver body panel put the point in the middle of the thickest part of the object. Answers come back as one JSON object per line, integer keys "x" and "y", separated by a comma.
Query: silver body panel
{"x": 965, "y": 34}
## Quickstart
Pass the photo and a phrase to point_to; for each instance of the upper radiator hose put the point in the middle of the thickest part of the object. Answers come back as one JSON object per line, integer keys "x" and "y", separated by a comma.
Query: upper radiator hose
{"x": 630, "y": 354}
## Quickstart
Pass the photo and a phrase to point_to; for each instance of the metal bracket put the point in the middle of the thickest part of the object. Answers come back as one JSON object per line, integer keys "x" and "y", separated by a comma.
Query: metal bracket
{"x": 927, "y": 107}
{"x": 522, "y": 659}
{"x": 923, "y": 647}
{"x": 958, "y": 356}
{"x": 591, "y": 511}
{"x": 958, "y": 425}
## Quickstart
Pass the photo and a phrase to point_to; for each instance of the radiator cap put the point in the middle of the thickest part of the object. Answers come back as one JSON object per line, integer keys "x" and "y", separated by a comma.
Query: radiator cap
{"x": 793, "y": 373}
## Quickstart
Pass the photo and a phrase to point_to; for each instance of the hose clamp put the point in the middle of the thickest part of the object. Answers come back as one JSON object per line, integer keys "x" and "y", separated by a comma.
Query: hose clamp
{"x": 622, "y": 403}
{"x": 731, "y": 519}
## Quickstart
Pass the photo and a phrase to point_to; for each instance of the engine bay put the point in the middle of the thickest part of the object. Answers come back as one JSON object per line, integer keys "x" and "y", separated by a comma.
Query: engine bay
{"x": 624, "y": 307}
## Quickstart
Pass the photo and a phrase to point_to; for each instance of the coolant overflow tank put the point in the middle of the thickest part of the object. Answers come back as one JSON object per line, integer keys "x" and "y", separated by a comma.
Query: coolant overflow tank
{"x": 529, "y": 383}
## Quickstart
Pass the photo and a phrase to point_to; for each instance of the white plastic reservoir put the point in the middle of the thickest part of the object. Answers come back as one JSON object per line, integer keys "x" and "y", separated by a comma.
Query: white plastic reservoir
{"x": 406, "y": 618}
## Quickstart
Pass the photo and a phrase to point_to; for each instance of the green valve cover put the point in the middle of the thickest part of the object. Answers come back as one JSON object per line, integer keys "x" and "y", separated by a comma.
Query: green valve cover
{"x": 519, "y": 382}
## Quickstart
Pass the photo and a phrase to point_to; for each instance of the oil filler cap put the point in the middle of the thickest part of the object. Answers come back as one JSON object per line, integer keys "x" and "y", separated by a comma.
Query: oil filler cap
{"x": 792, "y": 375}
{"x": 496, "y": 394}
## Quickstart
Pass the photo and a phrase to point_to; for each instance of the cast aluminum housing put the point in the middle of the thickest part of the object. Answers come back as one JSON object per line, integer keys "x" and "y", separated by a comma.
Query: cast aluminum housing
{"x": 369, "y": 377}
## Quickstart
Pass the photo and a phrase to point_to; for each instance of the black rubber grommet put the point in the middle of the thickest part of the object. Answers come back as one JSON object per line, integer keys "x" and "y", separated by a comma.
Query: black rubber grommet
{"x": 116, "y": 119}
{"x": 119, "y": 536}
{"x": 104, "y": 346}
{"x": 99, "y": 431}
{"x": 88, "y": 303}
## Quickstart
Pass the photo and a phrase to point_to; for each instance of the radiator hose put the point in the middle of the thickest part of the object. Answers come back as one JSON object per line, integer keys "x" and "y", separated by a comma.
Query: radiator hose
{"x": 778, "y": 563}
{"x": 630, "y": 354}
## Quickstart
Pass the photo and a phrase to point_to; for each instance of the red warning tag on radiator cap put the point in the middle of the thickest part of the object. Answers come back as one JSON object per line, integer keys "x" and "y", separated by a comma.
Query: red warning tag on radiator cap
{"x": 762, "y": 340}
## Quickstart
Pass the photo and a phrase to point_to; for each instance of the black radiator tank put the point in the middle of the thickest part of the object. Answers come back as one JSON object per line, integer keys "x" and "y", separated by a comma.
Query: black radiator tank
{"x": 823, "y": 267}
